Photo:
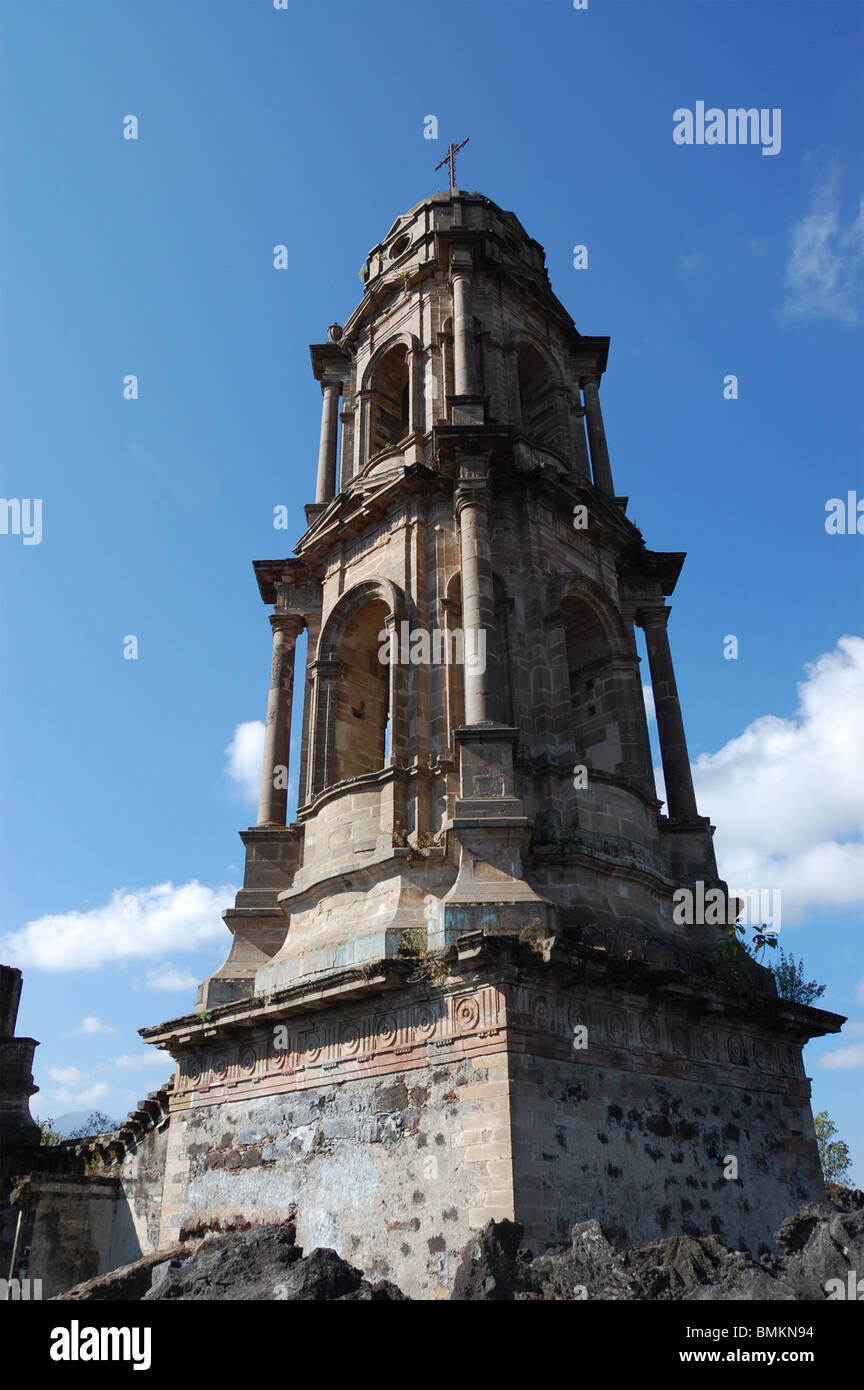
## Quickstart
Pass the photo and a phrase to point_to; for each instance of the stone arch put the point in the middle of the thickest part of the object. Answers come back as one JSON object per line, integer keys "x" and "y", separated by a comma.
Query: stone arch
{"x": 566, "y": 588}
{"x": 539, "y": 391}
{"x": 370, "y": 590}
{"x": 391, "y": 395}
{"x": 356, "y": 699}
{"x": 599, "y": 662}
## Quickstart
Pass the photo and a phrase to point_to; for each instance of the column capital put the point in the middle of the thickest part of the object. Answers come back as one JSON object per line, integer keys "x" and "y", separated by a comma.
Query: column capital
{"x": 289, "y": 623}
{"x": 461, "y": 261}
{"x": 471, "y": 494}
{"x": 655, "y": 616}
{"x": 473, "y": 468}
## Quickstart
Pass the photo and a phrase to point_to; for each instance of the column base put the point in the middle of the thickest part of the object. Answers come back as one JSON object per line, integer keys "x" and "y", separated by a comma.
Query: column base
{"x": 467, "y": 410}
{"x": 490, "y": 894}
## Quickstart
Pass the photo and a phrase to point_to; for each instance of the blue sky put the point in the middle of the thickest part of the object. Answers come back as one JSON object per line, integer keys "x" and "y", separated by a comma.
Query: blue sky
{"x": 155, "y": 257}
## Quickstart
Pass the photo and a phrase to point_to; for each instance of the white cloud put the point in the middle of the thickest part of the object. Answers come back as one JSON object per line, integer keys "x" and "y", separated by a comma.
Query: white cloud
{"x": 823, "y": 272}
{"x": 130, "y": 926}
{"x": 140, "y": 1061}
{"x": 172, "y": 977}
{"x": 66, "y": 1076}
{"x": 91, "y": 1026}
{"x": 74, "y": 1088}
{"x": 245, "y": 753}
{"x": 88, "y": 1096}
{"x": 648, "y": 697}
{"x": 787, "y": 795}
{"x": 844, "y": 1058}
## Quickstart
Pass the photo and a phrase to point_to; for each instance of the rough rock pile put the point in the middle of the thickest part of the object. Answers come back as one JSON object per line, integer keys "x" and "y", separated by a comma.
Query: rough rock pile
{"x": 265, "y": 1263}
{"x": 821, "y": 1241}
{"x": 260, "y": 1263}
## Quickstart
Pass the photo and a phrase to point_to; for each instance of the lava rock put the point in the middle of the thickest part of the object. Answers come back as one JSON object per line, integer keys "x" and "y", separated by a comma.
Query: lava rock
{"x": 264, "y": 1263}
{"x": 821, "y": 1241}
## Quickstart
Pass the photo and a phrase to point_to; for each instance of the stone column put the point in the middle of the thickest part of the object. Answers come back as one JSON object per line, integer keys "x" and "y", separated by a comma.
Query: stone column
{"x": 416, "y": 395}
{"x": 463, "y": 329}
{"x": 478, "y": 611}
{"x": 680, "y": 797}
{"x": 322, "y": 727}
{"x": 346, "y": 438}
{"x": 273, "y": 801}
{"x": 597, "y": 436}
{"x": 327, "y": 448}
{"x": 391, "y": 626}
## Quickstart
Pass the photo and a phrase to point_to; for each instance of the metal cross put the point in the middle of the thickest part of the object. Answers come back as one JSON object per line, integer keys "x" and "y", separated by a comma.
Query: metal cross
{"x": 450, "y": 158}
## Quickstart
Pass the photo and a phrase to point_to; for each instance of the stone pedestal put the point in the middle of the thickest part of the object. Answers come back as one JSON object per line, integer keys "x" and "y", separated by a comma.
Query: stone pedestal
{"x": 492, "y": 832}
{"x": 256, "y": 922}
{"x": 542, "y": 1084}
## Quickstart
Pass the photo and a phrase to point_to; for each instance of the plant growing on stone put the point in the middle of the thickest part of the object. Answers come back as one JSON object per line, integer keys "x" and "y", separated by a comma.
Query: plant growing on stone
{"x": 735, "y": 942}
{"x": 833, "y": 1153}
{"x": 533, "y": 936}
{"x": 791, "y": 983}
{"x": 412, "y": 944}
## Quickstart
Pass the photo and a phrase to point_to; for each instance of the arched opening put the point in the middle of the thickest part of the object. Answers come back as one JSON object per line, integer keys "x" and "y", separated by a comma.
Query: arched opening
{"x": 596, "y": 731}
{"x": 389, "y": 401}
{"x": 363, "y": 695}
{"x": 537, "y": 399}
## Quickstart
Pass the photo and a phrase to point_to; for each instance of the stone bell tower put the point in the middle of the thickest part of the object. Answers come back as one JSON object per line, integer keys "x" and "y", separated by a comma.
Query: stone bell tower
{"x": 455, "y": 988}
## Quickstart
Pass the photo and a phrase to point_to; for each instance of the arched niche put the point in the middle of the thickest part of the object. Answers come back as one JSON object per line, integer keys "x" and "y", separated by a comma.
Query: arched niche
{"x": 540, "y": 394}
{"x": 391, "y": 400}
{"x": 355, "y": 692}
{"x": 596, "y": 651}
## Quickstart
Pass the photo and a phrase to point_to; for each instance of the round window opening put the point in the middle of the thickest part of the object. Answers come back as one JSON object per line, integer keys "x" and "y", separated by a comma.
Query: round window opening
{"x": 400, "y": 244}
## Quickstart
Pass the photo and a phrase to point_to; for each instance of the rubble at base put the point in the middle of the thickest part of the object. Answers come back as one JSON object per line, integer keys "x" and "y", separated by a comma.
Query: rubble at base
{"x": 258, "y": 1264}
{"x": 822, "y": 1241}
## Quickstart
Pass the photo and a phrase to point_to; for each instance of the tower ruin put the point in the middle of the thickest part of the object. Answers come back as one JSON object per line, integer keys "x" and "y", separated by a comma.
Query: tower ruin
{"x": 456, "y": 989}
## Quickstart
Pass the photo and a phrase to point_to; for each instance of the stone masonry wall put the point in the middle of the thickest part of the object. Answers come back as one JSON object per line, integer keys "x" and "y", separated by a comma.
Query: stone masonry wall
{"x": 396, "y": 1125}
{"x": 387, "y": 1172}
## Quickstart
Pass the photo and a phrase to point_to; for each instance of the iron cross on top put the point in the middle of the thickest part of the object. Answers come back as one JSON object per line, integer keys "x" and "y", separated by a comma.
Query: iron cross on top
{"x": 450, "y": 158}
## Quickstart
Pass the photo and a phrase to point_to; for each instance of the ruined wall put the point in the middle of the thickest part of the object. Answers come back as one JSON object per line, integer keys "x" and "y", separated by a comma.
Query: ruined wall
{"x": 380, "y": 1170}
{"x": 393, "y": 1126}
{"x": 71, "y": 1225}
{"x": 644, "y": 1155}
{"x": 95, "y": 1204}
{"x": 636, "y": 1126}
{"x": 141, "y": 1173}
